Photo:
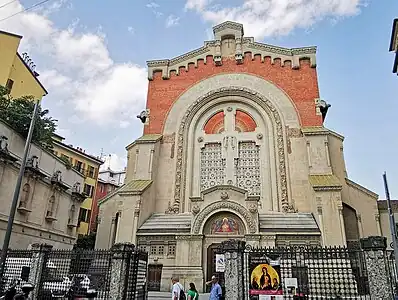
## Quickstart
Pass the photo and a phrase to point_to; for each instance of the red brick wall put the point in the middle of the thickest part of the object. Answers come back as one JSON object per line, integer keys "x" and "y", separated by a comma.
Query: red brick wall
{"x": 100, "y": 192}
{"x": 301, "y": 85}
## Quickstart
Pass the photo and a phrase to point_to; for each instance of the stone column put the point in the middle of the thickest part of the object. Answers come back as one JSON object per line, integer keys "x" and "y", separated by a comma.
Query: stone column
{"x": 121, "y": 256}
{"x": 374, "y": 248}
{"x": 37, "y": 266}
{"x": 234, "y": 269}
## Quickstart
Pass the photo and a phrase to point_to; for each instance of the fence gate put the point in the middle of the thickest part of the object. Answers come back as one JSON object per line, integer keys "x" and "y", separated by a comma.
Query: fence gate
{"x": 305, "y": 273}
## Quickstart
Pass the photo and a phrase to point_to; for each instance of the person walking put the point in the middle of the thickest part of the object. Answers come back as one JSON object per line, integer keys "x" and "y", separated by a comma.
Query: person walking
{"x": 192, "y": 292}
{"x": 177, "y": 288}
{"x": 215, "y": 292}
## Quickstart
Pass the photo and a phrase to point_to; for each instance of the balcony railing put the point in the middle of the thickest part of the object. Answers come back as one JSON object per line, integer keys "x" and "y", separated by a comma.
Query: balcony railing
{"x": 85, "y": 172}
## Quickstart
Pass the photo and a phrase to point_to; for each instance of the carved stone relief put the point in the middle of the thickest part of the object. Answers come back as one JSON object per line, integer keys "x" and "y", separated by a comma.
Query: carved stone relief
{"x": 191, "y": 112}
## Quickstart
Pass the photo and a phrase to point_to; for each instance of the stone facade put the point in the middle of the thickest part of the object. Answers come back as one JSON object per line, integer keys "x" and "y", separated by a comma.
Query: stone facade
{"x": 50, "y": 195}
{"x": 234, "y": 147}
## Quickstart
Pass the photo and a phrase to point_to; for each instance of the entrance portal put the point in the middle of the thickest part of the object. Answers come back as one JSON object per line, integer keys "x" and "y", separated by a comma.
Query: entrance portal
{"x": 154, "y": 277}
{"x": 212, "y": 250}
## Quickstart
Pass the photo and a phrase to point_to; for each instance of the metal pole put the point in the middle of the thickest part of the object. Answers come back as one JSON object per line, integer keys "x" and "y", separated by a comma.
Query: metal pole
{"x": 14, "y": 203}
{"x": 392, "y": 222}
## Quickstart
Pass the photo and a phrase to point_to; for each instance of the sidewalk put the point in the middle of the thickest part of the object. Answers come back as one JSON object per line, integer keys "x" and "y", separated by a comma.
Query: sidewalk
{"x": 165, "y": 295}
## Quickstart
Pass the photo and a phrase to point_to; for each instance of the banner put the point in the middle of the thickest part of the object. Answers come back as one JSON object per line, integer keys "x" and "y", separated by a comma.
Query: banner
{"x": 265, "y": 277}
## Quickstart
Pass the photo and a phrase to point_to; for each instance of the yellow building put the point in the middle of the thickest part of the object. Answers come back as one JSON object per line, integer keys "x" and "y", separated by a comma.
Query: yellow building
{"x": 86, "y": 164}
{"x": 17, "y": 72}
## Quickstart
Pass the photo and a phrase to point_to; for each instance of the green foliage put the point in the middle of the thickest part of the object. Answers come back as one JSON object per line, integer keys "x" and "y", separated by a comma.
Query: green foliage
{"x": 67, "y": 162}
{"x": 85, "y": 241}
{"x": 17, "y": 113}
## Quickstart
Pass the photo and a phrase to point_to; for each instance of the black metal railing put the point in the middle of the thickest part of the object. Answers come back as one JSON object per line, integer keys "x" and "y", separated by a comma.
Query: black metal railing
{"x": 72, "y": 273}
{"x": 307, "y": 272}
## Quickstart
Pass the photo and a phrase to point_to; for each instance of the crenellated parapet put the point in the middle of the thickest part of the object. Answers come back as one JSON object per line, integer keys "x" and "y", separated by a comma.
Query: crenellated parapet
{"x": 229, "y": 43}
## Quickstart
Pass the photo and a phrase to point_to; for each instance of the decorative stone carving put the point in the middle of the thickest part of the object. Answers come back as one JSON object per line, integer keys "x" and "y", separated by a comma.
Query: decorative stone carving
{"x": 290, "y": 209}
{"x": 228, "y": 205}
{"x": 224, "y": 196}
{"x": 203, "y": 100}
{"x": 253, "y": 208}
{"x": 260, "y": 136}
{"x": 195, "y": 209}
{"x": 57, "y": 177}
{"x": 33, "y": 162}
{"x": 212, "y": 166}
{"x": 3, "y": 143}
{"x": 229, "y": 108}
{"x": 248, "y": 168}
{"x": 379, "y": 283}
{"x": 200, "y": 139}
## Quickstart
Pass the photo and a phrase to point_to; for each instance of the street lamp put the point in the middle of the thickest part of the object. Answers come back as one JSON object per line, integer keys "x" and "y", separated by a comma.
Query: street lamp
{"x": 14, "y": 203}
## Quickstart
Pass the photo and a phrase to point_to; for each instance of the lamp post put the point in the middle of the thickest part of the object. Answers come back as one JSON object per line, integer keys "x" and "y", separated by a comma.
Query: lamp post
{"x": 14, "y": 203}
{"x": 393, "y": 227}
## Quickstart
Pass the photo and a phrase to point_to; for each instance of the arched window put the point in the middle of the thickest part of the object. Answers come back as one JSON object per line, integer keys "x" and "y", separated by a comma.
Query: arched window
{"x": 350, "y": 223}
{"x": 229, "y": 153}
{"x": 244, "y": 122}
{"x": 25, "y": 196}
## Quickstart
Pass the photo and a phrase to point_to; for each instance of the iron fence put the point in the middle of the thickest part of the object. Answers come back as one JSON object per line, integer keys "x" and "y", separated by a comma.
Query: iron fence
{"x": 71, "y": 273}
{"x": 392, "y": 271}
{"x": 136, "y": 276}
{"x": 17, "y": 268}
{"x": 306, "y": 273}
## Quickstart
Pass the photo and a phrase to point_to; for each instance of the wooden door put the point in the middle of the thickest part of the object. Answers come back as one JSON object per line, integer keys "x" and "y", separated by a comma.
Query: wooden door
{"x": 154, "y": 277}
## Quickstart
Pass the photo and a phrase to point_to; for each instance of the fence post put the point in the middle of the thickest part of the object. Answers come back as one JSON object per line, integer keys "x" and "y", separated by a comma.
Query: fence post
{"x": 234, "y": 284}
{"x": 374, "y": 248}
{"x": 120, "y": 264}
{"x": 37, "y": 266}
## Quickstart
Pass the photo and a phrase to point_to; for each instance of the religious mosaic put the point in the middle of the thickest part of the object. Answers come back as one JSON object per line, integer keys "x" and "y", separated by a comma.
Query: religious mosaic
{"x": 225, "y": 225}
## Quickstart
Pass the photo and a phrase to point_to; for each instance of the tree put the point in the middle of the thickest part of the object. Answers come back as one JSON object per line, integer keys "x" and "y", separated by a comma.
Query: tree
{"x": 85, "y": 241}
{"x": 17, "y": 114}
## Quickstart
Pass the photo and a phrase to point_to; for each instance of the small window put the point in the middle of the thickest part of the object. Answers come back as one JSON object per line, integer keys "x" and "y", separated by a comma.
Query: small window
{"x": 88, "y": 190}
{"x": 9, "y": 85}
{"x": 82, "y": 215}
{"x": 79, "y": 166}
{"x": 90, "y": 171}
{"x": 171, "y": 250}
{"x": 160, "y": 250}
{"x": 153, "y": 250}
{"x": 111, "y": 175}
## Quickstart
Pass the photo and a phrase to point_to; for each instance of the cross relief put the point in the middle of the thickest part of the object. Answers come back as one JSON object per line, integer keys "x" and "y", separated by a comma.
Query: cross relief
{"x": 228, "y": 143}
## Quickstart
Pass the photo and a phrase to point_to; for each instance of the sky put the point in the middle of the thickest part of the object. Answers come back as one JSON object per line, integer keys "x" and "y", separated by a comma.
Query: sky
{"x": 91, "y": 57}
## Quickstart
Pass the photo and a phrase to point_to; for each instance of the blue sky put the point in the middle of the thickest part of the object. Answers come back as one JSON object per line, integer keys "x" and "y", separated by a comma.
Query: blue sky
{"x": 91, "y": 56}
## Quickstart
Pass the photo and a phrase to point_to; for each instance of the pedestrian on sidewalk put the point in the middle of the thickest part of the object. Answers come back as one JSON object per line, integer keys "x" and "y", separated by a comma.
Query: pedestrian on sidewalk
{"x": 192, "y": 292}
{"x": 215, "y": 292}
{"x": 177, "y": 289}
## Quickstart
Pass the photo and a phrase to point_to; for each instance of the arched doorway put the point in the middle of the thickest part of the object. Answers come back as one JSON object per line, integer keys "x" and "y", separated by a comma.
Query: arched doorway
{"x": 220, "y": 227}
{"x": 351, "y": 225}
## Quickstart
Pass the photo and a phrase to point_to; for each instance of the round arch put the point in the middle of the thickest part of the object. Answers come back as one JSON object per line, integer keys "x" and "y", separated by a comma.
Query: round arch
{"x": 224, "y": 206}
{"x": 182, "y": 136}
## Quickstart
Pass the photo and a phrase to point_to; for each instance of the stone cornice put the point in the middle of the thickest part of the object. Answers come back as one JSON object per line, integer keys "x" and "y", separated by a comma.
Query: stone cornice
{"x": 382, "y": 205}
{"x": 310, "y": 131}
{"x": 145, "y": 139}
{"x": 246, "y": 45}
{"x": 361, "y": 188}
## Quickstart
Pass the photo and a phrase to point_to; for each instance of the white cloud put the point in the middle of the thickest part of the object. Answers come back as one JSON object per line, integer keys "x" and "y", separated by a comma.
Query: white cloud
{"x": 275, "y": 17}
{"x": 154, "y": 7}
{"x": 114, "y": 162}
{"x": 131, "y": 29}
{"x": 172, "y": 21}
{"x": 83, "y": 76}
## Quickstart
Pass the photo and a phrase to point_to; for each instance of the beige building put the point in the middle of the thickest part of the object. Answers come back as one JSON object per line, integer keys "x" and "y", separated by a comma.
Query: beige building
{"x": 234, "y": 147}
{"x": 50, "y": 196}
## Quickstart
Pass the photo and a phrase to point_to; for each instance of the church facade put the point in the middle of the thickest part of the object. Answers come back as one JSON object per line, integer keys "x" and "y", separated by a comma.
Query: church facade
{"x": 233, "y": 147}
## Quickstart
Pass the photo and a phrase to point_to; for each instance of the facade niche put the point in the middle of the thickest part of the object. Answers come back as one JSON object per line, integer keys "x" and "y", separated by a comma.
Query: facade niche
{"x": 25, "y": 199}
{"x": 72, "y": 216}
